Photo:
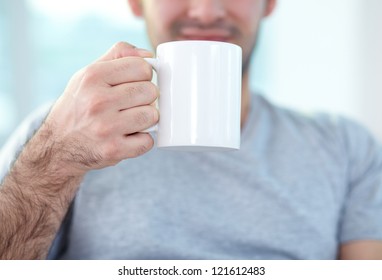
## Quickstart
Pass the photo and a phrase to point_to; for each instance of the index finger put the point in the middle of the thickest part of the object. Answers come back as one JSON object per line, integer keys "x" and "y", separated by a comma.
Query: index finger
{"x": 125, "y": 70}
{"x": 123, "y": 49}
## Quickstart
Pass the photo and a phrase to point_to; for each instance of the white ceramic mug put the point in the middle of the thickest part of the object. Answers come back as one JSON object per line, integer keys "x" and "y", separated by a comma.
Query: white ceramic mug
{"x": 200, "y": 95}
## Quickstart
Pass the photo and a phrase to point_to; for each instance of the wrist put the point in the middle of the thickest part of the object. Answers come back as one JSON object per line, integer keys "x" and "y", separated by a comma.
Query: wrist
{"x": 44, "y": 162}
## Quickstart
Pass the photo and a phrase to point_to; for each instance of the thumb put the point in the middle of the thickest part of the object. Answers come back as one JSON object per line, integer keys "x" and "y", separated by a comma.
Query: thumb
{"x": 123, "y": 49}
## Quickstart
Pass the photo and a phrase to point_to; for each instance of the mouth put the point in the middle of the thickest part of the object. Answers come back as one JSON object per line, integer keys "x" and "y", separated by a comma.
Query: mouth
{"x": 211, "y": 34}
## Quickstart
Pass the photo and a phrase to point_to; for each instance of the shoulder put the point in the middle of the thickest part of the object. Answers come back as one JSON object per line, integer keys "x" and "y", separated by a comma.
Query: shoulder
{"x": 324, "y": 127}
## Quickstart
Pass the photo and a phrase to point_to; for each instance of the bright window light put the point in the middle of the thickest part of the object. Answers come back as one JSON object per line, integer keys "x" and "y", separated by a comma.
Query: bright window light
{"x": 72, "y": 10}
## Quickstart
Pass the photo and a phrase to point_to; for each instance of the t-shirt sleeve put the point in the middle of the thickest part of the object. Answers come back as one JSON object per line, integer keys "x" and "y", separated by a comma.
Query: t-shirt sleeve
{"x": 362, "y": 210}
{"x": 10, "y": 150}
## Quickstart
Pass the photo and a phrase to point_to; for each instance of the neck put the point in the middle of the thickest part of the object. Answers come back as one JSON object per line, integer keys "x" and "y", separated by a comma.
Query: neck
{"x": 245, "y": 98}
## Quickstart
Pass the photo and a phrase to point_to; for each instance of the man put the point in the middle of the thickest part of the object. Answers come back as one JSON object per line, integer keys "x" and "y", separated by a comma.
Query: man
{"x": 300, "y": 187}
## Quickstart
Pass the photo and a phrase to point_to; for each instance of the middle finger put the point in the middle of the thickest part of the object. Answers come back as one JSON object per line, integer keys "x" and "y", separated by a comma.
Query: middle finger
{"x": 135, "y": 94}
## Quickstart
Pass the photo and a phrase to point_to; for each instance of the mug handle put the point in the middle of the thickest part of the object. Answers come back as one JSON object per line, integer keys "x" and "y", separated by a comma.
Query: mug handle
{"x": 155, "y": 64}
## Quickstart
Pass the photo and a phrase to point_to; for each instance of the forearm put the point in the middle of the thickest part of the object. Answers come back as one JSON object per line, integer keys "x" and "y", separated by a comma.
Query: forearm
{"x": 34, "y": 198}
{"x": 96, "y": 123}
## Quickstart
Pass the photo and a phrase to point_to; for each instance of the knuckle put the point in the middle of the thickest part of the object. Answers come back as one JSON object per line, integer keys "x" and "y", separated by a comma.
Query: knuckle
{"x": 132, "y": 91}
{"x": 96, "y": 106}
{"x": 140, "y": 93}
{"x": 79, "y": 74}
{"x": 129, "y": 94}
{"x": 110, "y": 152}
{"x": 143, "y": 117}
{"x": 101, "y": 130}
{"x": 90, "y": 74}
{"x": 120, "y": 45}
{"x": 121, "y": 49}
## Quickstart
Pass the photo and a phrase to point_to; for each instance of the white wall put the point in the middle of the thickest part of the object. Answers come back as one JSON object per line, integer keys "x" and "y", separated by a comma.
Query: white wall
{"x": 370, "y": 64}
{"x": 326, "y": 55}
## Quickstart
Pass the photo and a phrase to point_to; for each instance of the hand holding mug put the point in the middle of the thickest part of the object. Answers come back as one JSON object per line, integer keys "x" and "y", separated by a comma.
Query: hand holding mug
{"x": 98, "y": 120}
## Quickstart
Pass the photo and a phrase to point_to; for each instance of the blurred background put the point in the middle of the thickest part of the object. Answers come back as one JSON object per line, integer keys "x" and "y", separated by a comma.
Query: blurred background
{"x": 313, "y": 55}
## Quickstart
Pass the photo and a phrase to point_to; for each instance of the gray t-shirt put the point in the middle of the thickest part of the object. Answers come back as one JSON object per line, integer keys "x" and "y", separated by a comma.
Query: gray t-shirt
{"x": 299, "y": 187}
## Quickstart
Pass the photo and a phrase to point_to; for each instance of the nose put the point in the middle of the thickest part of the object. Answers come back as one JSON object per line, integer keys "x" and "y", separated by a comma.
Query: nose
{"x": 207, "y": 11}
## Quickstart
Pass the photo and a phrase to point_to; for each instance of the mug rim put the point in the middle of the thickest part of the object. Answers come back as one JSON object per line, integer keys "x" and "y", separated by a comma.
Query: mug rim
{"x": 199, "y": 42}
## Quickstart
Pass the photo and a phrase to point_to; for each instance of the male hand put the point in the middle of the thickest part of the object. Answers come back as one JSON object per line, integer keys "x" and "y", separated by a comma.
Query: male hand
{"x": 98, "y": 120}
{"x": 94, "y": 124}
